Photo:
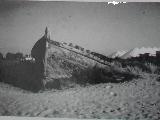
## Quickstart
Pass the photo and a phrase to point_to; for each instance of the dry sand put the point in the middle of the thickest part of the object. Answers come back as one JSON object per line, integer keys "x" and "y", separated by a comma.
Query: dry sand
{"x": 138, "y": 99}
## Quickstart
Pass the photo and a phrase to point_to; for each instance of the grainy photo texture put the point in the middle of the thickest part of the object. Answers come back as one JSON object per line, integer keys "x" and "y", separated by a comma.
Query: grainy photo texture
{"x": 80, "y": 60}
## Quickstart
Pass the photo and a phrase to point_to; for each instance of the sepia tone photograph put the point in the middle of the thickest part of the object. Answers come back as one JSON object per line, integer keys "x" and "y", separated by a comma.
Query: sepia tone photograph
{"x": 80, "y": 60}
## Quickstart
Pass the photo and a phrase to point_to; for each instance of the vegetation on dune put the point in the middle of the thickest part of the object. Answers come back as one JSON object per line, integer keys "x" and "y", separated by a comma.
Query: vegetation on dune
{"x": 119, "y": 71}
{"x": 96, "y": 75}
{"x": 26, "y": 75}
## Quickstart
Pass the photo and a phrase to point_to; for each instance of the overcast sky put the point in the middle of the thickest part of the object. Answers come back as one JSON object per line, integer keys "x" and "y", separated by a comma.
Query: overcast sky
{"x": 96, "y": 26}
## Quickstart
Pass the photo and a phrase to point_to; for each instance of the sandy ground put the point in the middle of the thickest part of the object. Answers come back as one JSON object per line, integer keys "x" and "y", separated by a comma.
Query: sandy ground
{"x": 138, "y": 99}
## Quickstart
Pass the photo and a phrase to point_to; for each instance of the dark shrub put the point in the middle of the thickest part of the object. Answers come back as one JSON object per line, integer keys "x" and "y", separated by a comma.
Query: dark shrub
{"x": 96, "y": 75}
{"x": 10, "y": 56}
{"x": 1, "y": 56}
{"x": 21, "y": 74}
{"x": 18, "y": 56}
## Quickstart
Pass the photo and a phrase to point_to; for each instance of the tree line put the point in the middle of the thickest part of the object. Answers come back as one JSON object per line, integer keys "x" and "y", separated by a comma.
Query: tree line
{"x": 12, "y": 56}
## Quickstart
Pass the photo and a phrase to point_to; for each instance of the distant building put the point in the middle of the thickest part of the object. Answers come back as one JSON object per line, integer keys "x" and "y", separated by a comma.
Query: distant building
{"x": 158, "y": 54}
{"x": 29, "y": 58}
{"x": 145, "y": 55}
